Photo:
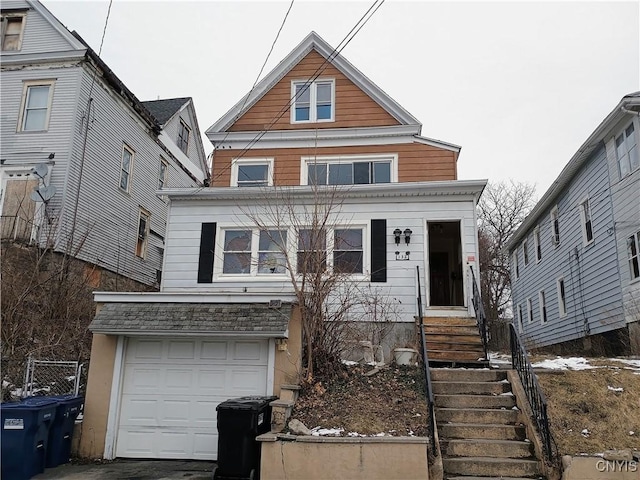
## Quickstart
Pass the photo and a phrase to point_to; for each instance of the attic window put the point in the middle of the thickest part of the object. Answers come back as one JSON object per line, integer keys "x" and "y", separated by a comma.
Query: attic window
{"x": 313, "y": 102}
{"x": 183, "y": 136}
{"x": 12, "y": 26}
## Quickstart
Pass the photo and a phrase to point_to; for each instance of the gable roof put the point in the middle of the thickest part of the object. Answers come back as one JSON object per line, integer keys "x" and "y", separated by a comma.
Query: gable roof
{"x": 629, "y": 104}
{"x": 313, "y": 41}
{"x": 164, "y": 110}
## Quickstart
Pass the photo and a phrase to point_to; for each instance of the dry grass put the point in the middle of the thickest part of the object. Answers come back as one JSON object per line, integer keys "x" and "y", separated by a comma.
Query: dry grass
{"x": 581, "y": 400}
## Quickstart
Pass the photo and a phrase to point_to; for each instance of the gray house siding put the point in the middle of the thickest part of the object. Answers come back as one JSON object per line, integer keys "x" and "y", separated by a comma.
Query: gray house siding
{"x": 195, "y": 142}
{"x": 625, "y": 194}
{"x": 590, "y": 272}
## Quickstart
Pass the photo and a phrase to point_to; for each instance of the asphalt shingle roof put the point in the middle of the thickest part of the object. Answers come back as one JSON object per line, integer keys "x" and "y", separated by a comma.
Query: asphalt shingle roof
{"x": 184, "y": 318}
{"x": 164, "y": 109}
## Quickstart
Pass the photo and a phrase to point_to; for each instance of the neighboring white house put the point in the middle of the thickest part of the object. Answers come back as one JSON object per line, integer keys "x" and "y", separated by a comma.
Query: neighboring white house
{"x": 225, "y": 322}
{"x": 575, "y": 260}
{"x": 95, "y": 154}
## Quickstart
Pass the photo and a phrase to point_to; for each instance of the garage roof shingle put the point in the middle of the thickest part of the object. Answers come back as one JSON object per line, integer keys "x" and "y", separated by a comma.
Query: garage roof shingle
{"x": 192, "y": 318}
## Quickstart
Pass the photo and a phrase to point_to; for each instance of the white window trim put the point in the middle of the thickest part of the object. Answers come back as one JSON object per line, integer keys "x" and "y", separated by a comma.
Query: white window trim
{"x": 251, "y": 161}
{"x": 562, "y": 306}
{"x": 312, "y": 100}
{"x": 529, "y": 310}
{"x": 542, "y": 304}
{"x": 555, "y": 238}
{"x": 133, "y": 156}
{"x": 292, "y": 249}
{"x": 636, "y": 239}
{"x": 24, "y": 21}
{"x": 583, "y": 221}
{"x": 305, "y": 161}
{"x": 23, "y": 104}
{"x": 623, "y": 132}
{"x": 145, "y": 244}
{"x": 537, "y": 245}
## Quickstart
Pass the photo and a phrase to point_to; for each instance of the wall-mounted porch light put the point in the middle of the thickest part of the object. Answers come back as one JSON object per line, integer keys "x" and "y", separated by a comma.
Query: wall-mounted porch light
{"x": 397, "y": 233}
{"x": 407, "y": 235}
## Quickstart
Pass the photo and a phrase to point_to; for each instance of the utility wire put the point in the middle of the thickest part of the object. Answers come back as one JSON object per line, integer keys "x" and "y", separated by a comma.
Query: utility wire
{"x": 362, "y": 21}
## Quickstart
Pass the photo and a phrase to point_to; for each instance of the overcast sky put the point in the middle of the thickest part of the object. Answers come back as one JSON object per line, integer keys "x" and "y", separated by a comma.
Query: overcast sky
{"x": 519, "y": 85}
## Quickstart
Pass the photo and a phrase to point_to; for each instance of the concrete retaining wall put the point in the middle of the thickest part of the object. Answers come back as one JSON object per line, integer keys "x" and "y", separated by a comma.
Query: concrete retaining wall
{"x": 324, "y": 458}
{"x": 597, "y": 468}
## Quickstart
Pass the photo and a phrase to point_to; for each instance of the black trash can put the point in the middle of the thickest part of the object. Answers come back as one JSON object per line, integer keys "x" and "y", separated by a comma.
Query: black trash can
{"x": 240, "y": 421}
{"x": 25, "y": 432}
{"x": 61, "y": 431}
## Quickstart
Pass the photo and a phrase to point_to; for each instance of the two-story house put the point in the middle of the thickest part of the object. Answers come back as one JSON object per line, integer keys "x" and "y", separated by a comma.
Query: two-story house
{"x": 575, "y": 266}
{"x": 82, "y": 157}
{"x": 316, "y": 168}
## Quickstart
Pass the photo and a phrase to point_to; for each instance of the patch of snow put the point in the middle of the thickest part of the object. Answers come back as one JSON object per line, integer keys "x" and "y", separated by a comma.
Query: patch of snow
{"x": 561, "y": 363}
{"x": 319, "y": 432}
{"x": 585, "y": 433}
{"x": 507, "y": 394}
{"x": 381, "y": 434}
{"x": 628, "y": 361}
{"x": 71, "y": 378}
{"x": 411, "y": 433}
{"x": 615, "y": 389}
{"x": 417, "y": 415}
{"x": 631, "y": 432}
{"x": 515, "y": 408}
{"x": 504, "y": 381}
{"x": 499, "y": 359}
{"x": 5, "y": 384}
{"x": 355, "y": 434}
{"x": 349, "y": 363}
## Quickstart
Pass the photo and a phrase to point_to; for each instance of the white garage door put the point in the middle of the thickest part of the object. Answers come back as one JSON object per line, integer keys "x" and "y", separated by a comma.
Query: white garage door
{"x": 171, "y": 388}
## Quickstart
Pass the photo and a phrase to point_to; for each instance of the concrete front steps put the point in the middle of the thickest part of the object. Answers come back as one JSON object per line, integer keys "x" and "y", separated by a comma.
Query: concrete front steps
{"x": 453, "y": 341}
{"x": 477, "y": 425}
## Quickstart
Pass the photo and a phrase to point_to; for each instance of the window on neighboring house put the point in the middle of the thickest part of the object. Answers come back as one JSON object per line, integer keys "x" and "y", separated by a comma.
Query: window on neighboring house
{"x": 162, "y": 173}
{"x": 313, "y": 102}
{"x": 312, "y": 250}
{"x": 525, "y": 252}
{"x": 555, "y": 227}
{"x": 633, "y": 252}
{"x": 529, "y": 310}
{"x": 627, "y": 151}
{"x": 542, "y": 306}
{"x": 562, "y": 297}
{"x": 348, "y": 171}
{"x": 516, "y": 265}
{"x": 347, "y": 250}
{"x": 252, "y": 173}
{"x": 271, "y": 251}
{"x": 520, "y": 318}
{"x": 537, "y": 244}
{"x": 143, "y": 233}
{"x": 36, "y": 106}
{"x": 183, "y": 136}
{"x": 237, "y": 251}
{"x": 126, "y": 167}
{"x": 587, "y": 227}
{"x": 12, "y": 26}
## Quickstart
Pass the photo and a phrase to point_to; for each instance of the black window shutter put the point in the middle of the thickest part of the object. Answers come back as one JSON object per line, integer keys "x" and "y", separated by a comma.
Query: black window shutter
{"x": 207, "y": 244}
{"x": 378, "y": 250}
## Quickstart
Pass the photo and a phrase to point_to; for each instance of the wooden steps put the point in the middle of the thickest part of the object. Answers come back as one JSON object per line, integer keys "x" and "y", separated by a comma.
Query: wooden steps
{"x": 454, "y": 340}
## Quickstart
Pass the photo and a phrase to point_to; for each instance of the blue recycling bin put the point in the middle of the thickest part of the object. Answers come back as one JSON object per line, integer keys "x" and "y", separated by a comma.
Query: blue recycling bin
{"x": 25, "y": 433}
{"x": 61, "y": 430}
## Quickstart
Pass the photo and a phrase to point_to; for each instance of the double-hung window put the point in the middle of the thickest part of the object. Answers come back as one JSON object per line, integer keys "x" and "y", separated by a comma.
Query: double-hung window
{"x": 525, "y": 252}
{"x": 12, "y": 27}
{"x": 347, "y": 250}
{"x": 562, "y": 297}
{"x": 587, "y": 226}
{"x": 126, "y": 167}
{"x": 529, "y": 310}
{"x": 515, "y": 264}
{"x": 627, "y": 151}
{"x": 254, "y": 252}
{"x": 36, "y": 106}
{"x": 162, "y": 173}
{"x": 252, "y": 173}
{"x": 536, "y": 243}
{"x": 237, "y": 252}
{"x": 633, "y": 253}
{"x": 272, "y": 248}
{"x": 555, "y": 227}
{"x": 312, "y": 251}
{"x": 183, "y": 136}
{"x": 543, "y": 306}
{"x": 144, "y": 218}
{"x": 313, "y": 101}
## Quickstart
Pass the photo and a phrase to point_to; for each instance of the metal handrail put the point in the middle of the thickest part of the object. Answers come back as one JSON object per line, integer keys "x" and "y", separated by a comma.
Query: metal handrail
{"x": 481, "y": 318}
{"x": 537, "y": 400}
{"x": 427, "y": 373}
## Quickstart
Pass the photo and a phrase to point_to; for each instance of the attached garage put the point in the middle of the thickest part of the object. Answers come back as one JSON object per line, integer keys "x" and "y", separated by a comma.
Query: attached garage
{"x": 170, "y": 364}
{"x": 171, "y": 387}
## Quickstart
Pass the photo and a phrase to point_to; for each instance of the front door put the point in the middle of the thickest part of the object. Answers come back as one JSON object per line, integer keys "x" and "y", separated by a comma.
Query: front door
{"x": 446, "y": 288}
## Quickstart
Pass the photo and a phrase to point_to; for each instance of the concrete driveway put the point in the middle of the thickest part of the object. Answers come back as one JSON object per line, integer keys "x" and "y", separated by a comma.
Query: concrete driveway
{"x": 132, "y": 470}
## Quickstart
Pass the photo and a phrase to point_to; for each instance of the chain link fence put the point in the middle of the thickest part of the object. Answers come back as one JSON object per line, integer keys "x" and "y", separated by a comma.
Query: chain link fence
{"x": 36, "y": 377}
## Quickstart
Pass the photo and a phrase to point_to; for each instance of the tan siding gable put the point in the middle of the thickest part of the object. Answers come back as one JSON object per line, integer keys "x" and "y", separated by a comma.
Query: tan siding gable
{"x": 354, "y": 108}
{"x": 416, "y": 162}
